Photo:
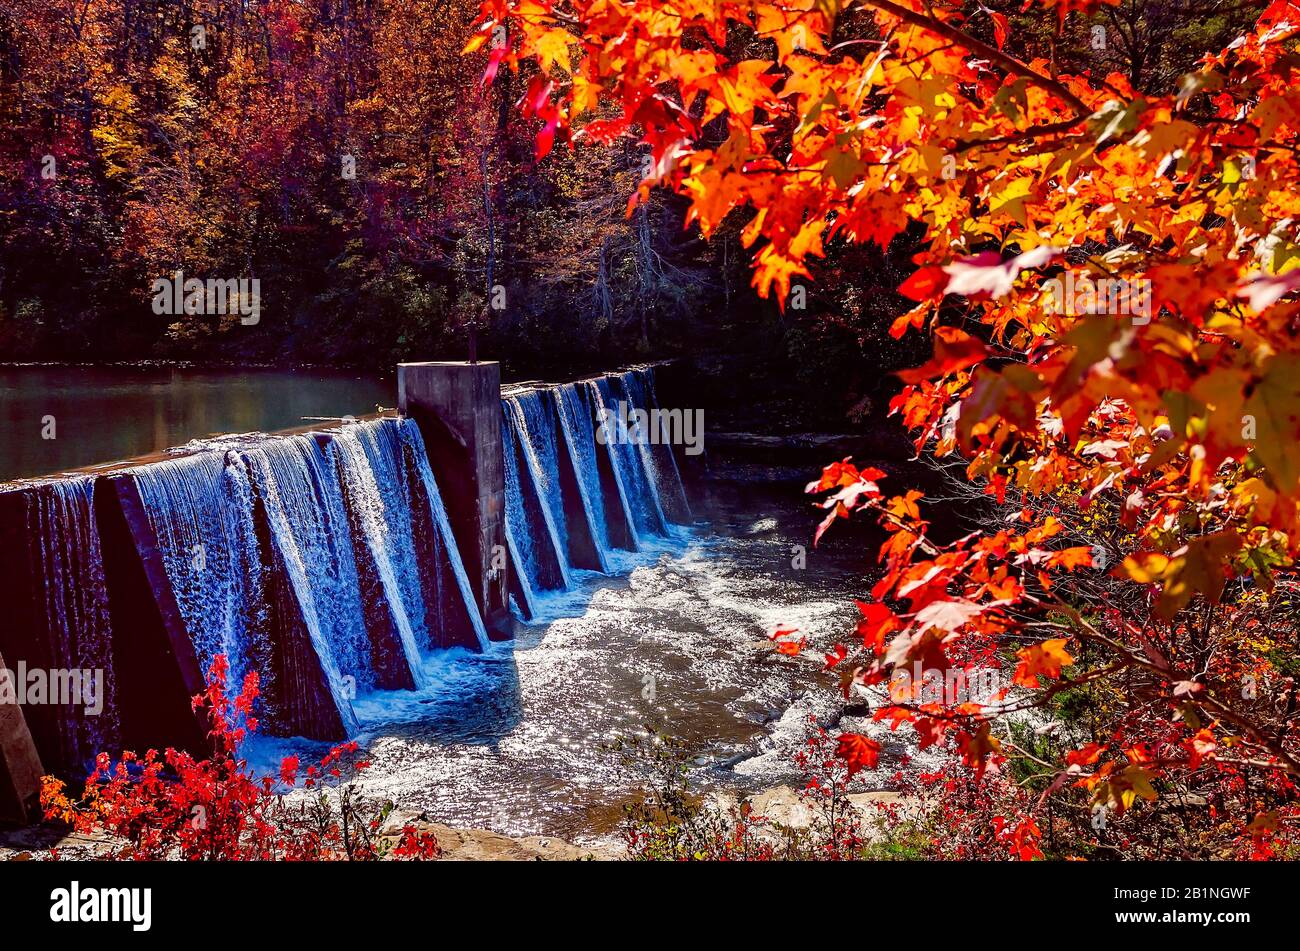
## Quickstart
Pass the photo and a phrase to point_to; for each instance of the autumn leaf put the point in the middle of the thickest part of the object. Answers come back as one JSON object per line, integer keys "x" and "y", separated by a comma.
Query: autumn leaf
{"x": 1000, "y": 28}
{"x": 785, "y": 644}
{"x": 858, "y": 752}
{"x": 833, "y": 659}
{"x": 1200, "y": 567}
{"x": 913, "y": 319}
{"x": 924, "y": 284}
{"x": 1274, "y": 405}
{"x": 953, "y": 350}
{"x": 1264, "y": 823}
{"x": 878, "y": 621}
{"x": 1071, "y": 558}
{"x": 948, "y": 614}
{"x": 1086, "y": 755}
{"x": 1045, "y": 659}
{"x": 987, "y": 274}
{"x": 1122, "y": 790}
{"x": 976, "y": 749}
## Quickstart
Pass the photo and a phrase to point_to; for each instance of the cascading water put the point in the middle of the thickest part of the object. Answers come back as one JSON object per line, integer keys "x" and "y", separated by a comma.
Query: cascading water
{"x": 60, "y": 520}
{"x": 657, "y": 453}
{"x": 325, "y": 560}
{"x": 638, "y": 487}
{"x": 543, "y": 427}
{"x": 578, "y": 423}
{"x": 581, "y": 482}
{"x": 455, "y": 607}
{"x": 619, "y": 518}
{"x": 253, "y": 536}
{"x": 536, "y": 430}
{"x": 202, "y": 517}
{"x": 371, "y": 472}
{"x": 531, "y": 510}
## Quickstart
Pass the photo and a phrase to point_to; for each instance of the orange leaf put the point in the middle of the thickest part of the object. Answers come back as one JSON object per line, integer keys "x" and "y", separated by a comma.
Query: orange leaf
{"x": 791, "y": 648}
{"x": 999, "y": 28}
{"x": 838, "y": 653}
{"x": 953, "y": 350}
{"x": 877, "y": 622}
{"x": 924, "y": 284}
{"x": 1046, "y": 659}
{"x": 1071, "y": 558}
{"x": 914, "y": 318}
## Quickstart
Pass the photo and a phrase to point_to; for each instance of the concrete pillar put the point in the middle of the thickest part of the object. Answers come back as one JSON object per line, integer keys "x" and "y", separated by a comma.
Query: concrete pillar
{"x": 458, "y": 409}
{"x": 20, "y": 767}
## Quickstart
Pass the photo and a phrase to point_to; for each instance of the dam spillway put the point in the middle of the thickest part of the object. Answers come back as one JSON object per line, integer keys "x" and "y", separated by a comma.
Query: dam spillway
{"x": 577, "y": 488}
{"x": 328, "y": 560}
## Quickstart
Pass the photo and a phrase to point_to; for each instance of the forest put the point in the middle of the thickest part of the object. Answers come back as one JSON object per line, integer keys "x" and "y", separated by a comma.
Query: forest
{"x": 1055, "y": 242}
{"x": 349, "y": 157}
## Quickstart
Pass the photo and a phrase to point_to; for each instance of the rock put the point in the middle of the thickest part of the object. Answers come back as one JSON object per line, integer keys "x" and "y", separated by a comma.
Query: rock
{"x": 482, "y": 845}
{"x": 37, "y": 841}
{"x": 469, "y": 845}
{"x": 460, "y": 845}
{"x": 783, "y": 806}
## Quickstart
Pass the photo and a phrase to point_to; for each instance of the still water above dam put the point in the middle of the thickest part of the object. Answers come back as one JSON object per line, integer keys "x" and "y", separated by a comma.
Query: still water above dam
{"x": 104, "y": 414}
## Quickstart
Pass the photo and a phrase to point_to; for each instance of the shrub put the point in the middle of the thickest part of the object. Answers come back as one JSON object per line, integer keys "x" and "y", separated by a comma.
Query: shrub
{"x": 172, "y": 806}
{"x": 672, "y": 823}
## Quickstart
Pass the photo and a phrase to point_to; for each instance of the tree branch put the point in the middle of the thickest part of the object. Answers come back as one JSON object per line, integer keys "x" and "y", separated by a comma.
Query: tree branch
{"x": 1009, "y": 63}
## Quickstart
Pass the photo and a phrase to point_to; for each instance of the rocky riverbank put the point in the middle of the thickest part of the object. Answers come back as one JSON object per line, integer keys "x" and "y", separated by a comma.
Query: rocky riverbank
{"x": 781, "y": 805}
{"x": 46, "y": 843}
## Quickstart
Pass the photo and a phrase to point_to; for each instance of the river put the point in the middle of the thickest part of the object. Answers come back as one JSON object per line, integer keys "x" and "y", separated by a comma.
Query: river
{"x": 515, "y": 740}
{"x": 59, "y": 417}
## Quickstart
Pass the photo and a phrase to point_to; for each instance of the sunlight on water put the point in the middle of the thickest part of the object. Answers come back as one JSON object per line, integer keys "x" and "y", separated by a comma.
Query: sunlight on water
{"x": 512, "y": 739}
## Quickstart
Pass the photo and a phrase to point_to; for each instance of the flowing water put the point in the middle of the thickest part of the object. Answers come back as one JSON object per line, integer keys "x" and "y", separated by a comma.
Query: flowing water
{"x": 76, "y": 611}
{"x": 320, "y": 561}
{"x": 325, "y": 562}
{"x": 513, "y": 739}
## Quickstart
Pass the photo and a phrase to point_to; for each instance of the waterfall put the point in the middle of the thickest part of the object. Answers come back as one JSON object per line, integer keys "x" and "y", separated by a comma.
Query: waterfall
{"x": 521, "y": 585}
{"x": 535, "y": 423}
{"x": 312, "y": 546}
{"x": 62, "y": 527}
{"x": 619, "y": 520}
{"x": 255, "y": 542}
{"x": 532, "y": 509}
{"x": 577, "y": 425}
{"x": 638, "y": 486}
{"x": 371, "y": 471}
{"x": 580, "y": 483}
{"x": 657, "y": 454}
{"x": 323, "y": 562}
{"x": 456, "y": 607}
{"x": 202, "y": 517}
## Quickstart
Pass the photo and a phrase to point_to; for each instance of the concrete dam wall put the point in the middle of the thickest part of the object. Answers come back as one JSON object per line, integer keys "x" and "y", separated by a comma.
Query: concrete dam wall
{"x": 330, "y": 560}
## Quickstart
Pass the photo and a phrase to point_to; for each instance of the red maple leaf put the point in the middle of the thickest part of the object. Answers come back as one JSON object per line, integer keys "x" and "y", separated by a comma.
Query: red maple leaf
{"x": 857, "y": 751}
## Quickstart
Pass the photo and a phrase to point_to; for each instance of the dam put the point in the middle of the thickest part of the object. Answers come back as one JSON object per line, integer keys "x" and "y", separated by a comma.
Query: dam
{"x": 332, "y": 560}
